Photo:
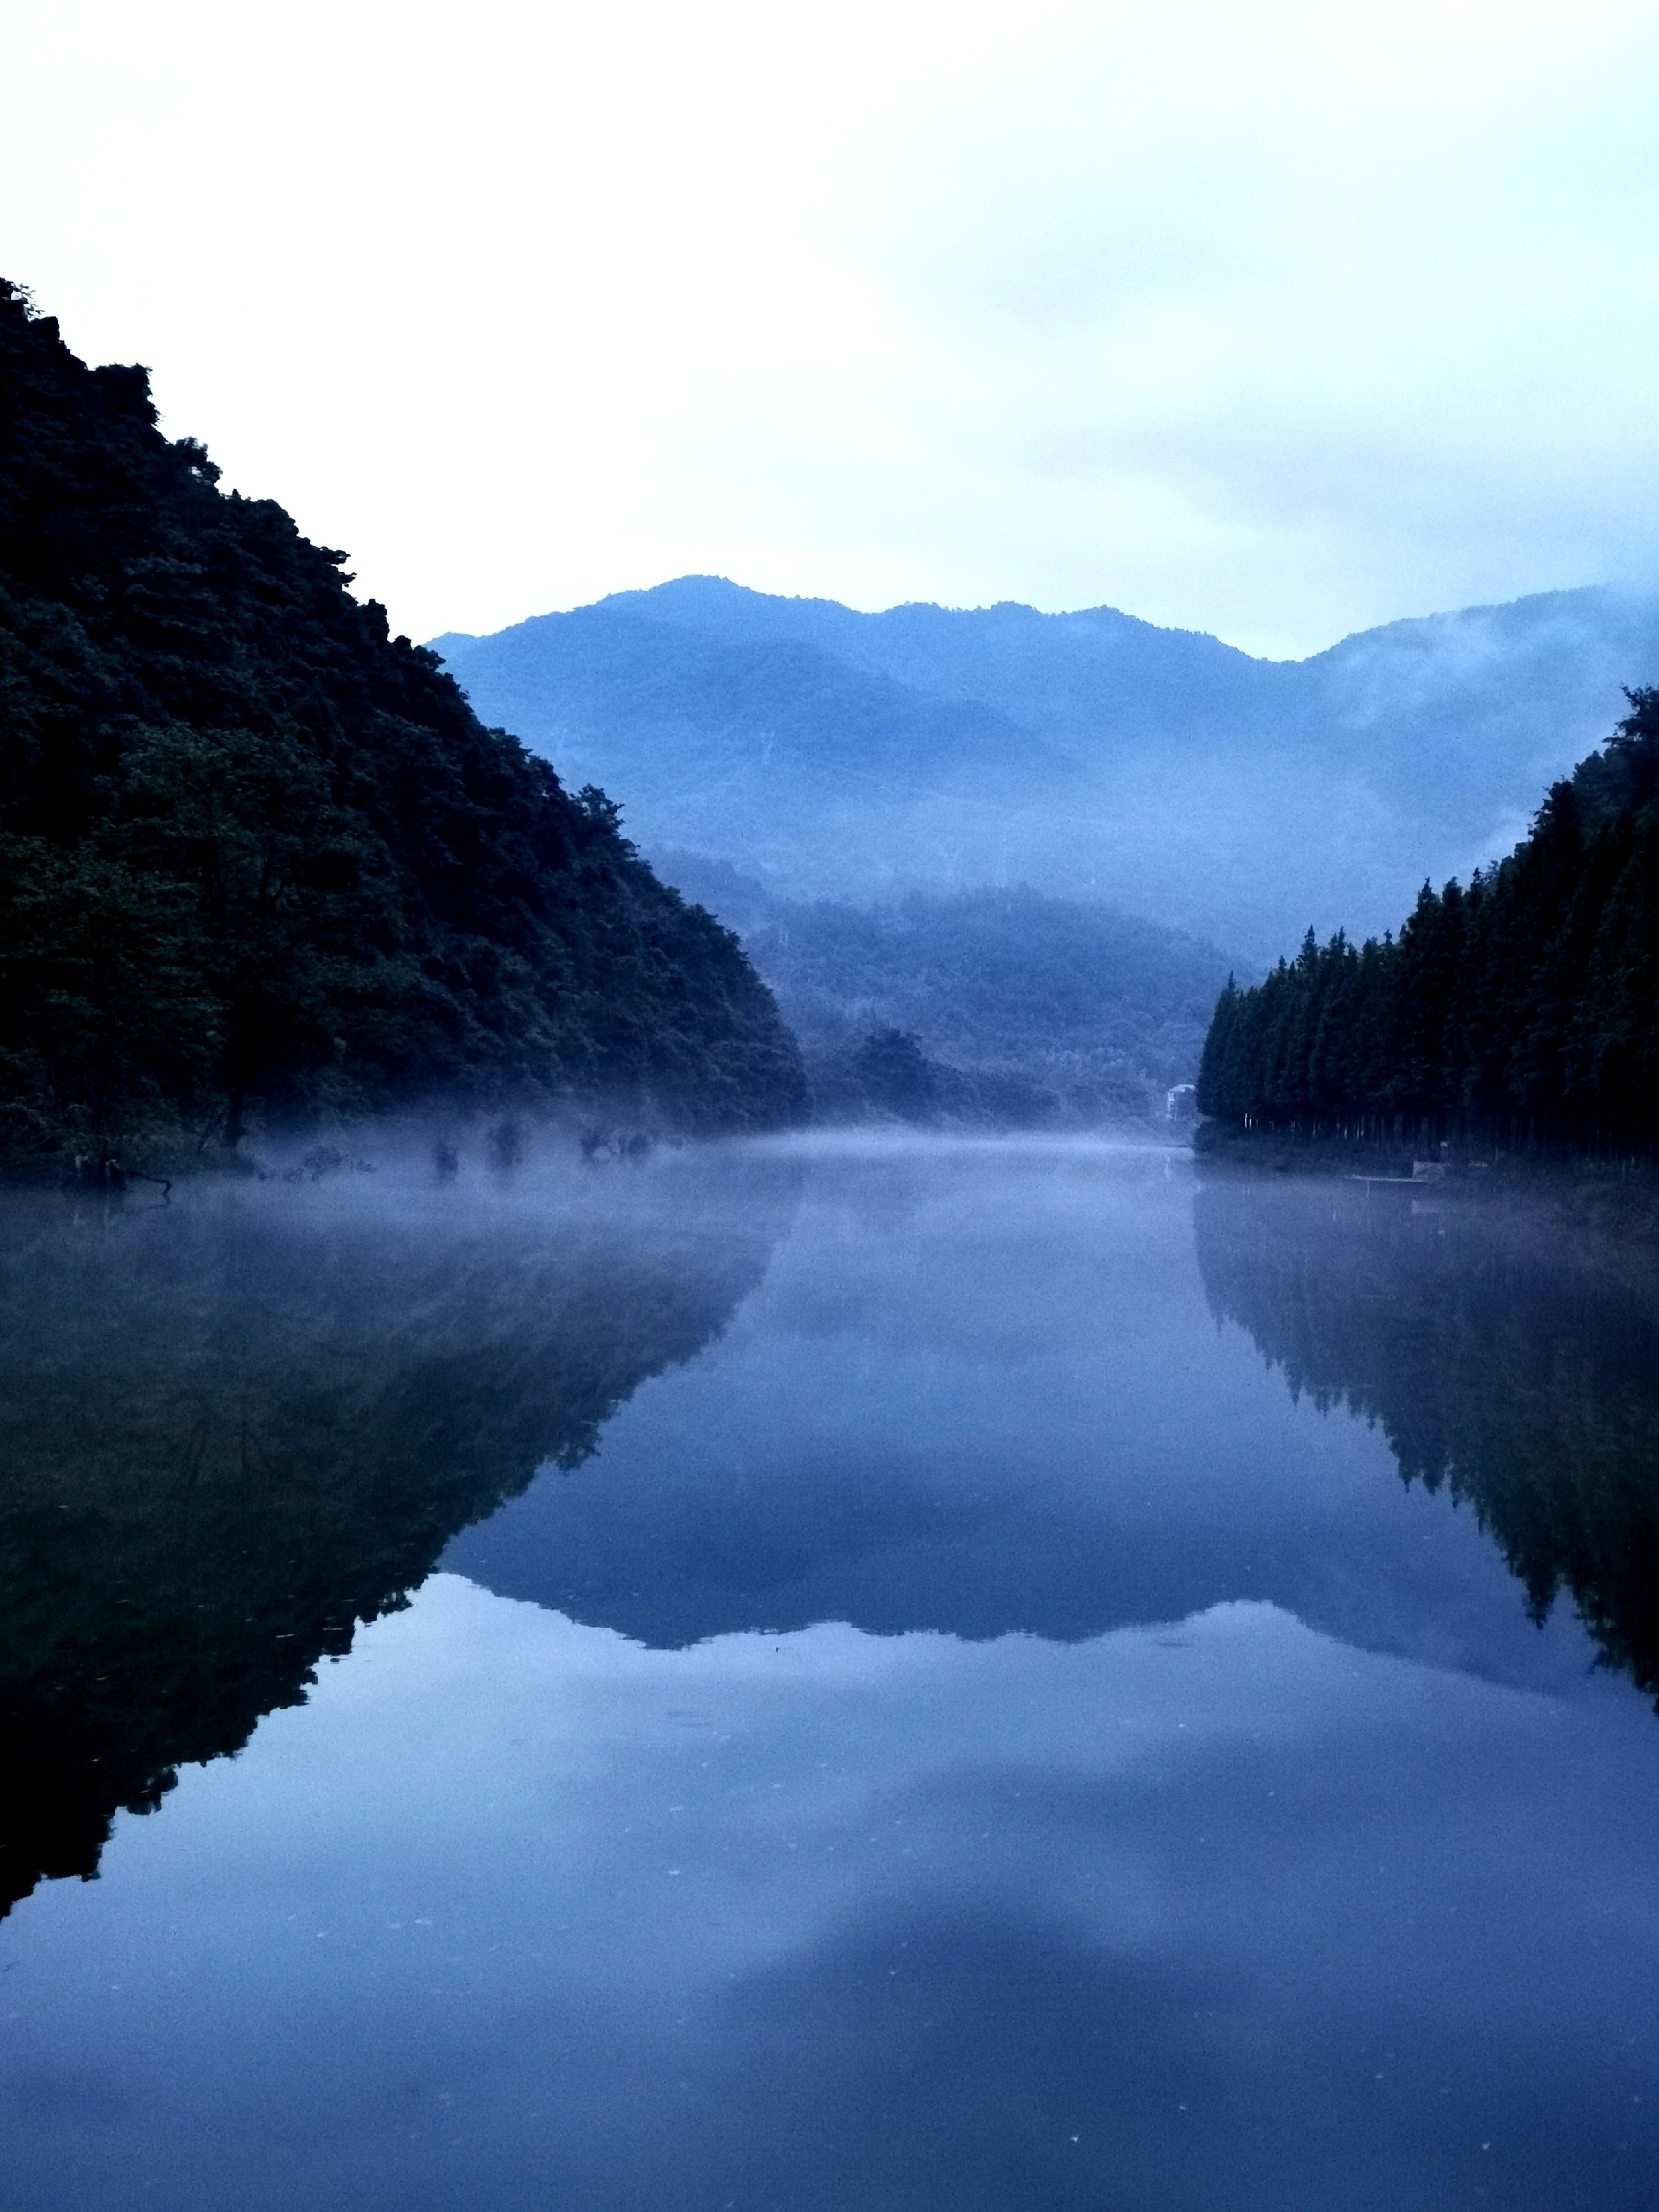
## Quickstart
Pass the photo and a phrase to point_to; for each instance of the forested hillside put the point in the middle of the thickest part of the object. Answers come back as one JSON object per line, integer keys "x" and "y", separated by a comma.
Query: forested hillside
{"x": 258, "y": 856}
{"x": 842, "y": 755}
{"x": 1029, "y": 1009}
{"x": 1525, "y": 1007}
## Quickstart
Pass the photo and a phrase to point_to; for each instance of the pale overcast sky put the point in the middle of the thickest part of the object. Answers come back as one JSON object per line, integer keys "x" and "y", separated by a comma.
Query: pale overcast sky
{"x": 1276, "y": 321}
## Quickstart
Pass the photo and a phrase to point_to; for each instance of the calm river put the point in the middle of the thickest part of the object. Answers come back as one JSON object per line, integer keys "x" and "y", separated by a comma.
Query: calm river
{"x": 859, "y": 1677}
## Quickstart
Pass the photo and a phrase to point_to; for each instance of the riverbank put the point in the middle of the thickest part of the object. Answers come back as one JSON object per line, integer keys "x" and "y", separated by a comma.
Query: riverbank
{"x": 1616, "y": 1197}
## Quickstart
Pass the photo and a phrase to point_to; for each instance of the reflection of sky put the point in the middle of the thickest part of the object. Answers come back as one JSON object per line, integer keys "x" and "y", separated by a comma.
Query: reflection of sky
{"x": 1167, "y": 1809}
{"x": 979, "y": 1394}
{"x": 520, "y": 1912}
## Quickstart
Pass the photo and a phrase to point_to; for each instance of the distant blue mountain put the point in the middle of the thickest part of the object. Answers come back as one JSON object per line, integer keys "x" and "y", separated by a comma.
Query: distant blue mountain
{"x": 834, "y": 753}
{"x": 1094, "y": 1014}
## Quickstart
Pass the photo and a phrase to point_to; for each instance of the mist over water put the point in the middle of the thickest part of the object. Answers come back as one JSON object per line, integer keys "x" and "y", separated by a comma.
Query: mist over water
{"x": 238, "y": 1422}
{"x": 969, "y": 1673}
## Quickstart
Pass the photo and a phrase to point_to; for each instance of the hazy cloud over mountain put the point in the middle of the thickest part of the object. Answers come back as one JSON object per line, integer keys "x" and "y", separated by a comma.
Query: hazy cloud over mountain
{"x": 850, "y": 756}
{"x": 1276, "y": 322}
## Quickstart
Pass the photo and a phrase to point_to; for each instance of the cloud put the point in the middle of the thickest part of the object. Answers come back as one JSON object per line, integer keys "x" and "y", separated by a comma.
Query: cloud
{"x": 516, "y": 1901}
{"x": 1275, "y": 321}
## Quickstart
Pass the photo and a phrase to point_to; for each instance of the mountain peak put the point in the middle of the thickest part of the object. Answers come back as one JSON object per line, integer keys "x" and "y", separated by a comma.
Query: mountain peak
{"x": 839, "y": 753}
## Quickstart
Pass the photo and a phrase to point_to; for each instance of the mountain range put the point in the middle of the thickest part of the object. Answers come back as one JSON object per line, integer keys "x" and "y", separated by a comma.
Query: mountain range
{"x": 832, "y": 753}
{"x": 1035, "y": 1011}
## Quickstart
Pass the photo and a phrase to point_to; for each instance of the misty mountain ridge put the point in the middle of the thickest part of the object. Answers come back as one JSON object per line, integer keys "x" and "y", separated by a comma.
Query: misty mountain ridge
{"x": 838, "y": 754}
{"x": 1030, "y": 1010}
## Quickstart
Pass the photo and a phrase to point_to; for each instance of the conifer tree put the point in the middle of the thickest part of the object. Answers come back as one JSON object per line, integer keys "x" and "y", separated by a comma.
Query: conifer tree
{"x": 1524, "y": 1008}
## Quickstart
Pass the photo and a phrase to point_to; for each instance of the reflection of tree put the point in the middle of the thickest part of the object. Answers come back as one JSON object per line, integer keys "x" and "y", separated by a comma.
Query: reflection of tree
{"x": 231, "y": 1432}
{"x": 1514, "y": 1366}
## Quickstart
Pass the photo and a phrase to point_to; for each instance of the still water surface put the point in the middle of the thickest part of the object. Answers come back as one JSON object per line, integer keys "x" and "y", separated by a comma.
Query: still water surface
{"x": 970, "y": 1713}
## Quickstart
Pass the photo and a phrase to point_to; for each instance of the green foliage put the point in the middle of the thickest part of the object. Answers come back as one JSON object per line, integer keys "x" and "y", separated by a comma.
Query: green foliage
{"x": 894, "y": 1073}
{"x": 1525, "y": 1009}
{"x": 102, "y": 1026}
{"x": 256, "y": 853}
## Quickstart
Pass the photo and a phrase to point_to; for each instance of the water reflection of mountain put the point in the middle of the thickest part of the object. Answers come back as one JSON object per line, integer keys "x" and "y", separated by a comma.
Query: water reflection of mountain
{"x": 1514, "y": 1366}
{"x": 234, "y": 1428}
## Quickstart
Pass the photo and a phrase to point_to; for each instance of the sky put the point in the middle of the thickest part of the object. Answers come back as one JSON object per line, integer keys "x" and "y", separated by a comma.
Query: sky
{"x": 1275, "y": 321}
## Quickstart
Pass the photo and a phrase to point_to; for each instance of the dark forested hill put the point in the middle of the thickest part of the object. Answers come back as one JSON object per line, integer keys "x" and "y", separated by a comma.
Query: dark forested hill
{"x": 255, "y": 853}
{"x": 852, "y": 756}
{"x": 1058, "y": 1009}
{"x": 1521, "y": 1008}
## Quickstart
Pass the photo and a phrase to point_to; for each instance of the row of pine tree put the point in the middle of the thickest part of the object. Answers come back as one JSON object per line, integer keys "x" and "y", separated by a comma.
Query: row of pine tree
{"x": 1522, "y": 1010}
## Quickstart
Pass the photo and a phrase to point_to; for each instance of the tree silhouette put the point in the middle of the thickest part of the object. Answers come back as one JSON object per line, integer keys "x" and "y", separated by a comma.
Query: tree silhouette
{"x": 1523, "y": 1010}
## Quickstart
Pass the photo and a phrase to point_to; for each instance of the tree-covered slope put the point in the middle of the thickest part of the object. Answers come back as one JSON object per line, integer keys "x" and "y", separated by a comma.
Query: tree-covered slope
{"x": 1091, "y": 1011}
{"x": 858, "y": 756}
{"x": 1525, "y": 1007}
{"x": 821, "y": 778}
{"x": 255, "y": 852}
